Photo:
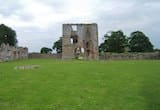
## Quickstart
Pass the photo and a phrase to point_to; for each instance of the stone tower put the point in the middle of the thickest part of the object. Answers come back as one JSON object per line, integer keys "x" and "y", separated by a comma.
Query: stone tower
{"x": 80, "y": 41}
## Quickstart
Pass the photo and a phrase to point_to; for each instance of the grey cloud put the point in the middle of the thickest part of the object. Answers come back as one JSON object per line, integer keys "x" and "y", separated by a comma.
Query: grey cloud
{"x": 129, "y": 14}
{"x": 57, "y": 5}
{"x": 36, "y": 38}
{"x": 9, "y": 7}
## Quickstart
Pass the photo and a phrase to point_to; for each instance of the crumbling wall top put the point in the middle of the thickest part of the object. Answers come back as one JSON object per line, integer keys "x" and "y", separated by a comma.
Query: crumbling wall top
{"x": 80, "y": 24}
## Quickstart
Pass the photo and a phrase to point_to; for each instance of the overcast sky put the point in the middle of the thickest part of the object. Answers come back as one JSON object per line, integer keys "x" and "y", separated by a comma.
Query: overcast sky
{"x": 38, "y": 23}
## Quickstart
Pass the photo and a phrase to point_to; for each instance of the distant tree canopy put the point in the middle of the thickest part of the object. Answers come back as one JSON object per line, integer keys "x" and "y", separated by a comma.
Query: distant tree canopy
{"x": 139, "y": 42}
{"x": 118, "y": 42}
{"x": 45, "y": 50}
{"x": 115, "y": 42}
{"x": 7, "y": 35}
{"x": 58, "y": 46}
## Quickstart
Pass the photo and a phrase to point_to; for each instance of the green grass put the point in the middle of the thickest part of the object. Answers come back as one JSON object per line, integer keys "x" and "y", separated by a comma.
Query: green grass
{"x": 80, "y": 85}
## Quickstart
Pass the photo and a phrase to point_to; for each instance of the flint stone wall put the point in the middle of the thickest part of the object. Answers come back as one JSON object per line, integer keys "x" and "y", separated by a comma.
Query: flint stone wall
{"x": 130, "y": 56}
{"x": 39, "y": 55}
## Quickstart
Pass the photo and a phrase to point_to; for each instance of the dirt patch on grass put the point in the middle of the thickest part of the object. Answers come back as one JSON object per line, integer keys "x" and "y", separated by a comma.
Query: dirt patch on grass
{"x": 26, "y": 67}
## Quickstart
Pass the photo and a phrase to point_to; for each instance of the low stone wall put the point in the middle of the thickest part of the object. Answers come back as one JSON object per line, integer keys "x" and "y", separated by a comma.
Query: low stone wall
{"x": 129, "y": 56}
{"x": 39, "y": 55}
{"x": 106, "y": 56}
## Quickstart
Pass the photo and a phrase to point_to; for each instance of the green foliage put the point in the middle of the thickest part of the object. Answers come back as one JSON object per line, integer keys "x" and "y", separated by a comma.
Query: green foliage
{"x": 139, "y": 42}
{"x": 58, "y": 46}
{"x": 116, "y": 42}
{"x": 46, "y": 50}
{"x": 103, "y": 47}
{"x": 7, "y": 35}
{"x": 80, "y": 85}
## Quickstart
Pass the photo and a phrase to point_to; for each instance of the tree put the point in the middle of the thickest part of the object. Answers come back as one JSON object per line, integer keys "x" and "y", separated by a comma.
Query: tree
{"x": 139, "y": 42}
{"x": 58, "y": 46}
{"x": 115, "y": 42}
{"x": 46, "y": 50}
{"x": 103, "y": 47}
{"x": 7, "y": 35}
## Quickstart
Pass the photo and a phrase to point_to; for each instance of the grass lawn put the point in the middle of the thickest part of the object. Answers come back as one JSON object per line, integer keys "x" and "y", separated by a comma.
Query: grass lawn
{"x": 80, "y": 85}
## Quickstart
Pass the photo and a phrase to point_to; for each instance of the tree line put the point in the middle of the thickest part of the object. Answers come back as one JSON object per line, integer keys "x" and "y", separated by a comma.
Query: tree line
{"x": 117, "y": 41}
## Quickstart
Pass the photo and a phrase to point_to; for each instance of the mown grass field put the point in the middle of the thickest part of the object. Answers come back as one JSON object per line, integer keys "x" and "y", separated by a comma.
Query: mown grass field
{"x": 80, "y": 85}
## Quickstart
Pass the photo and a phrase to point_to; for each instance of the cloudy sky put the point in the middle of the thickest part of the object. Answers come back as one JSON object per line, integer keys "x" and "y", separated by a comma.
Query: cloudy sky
{"x": 38, "y": 23}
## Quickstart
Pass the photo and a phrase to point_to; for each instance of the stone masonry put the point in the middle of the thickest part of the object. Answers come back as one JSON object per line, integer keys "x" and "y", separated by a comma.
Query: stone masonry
{"x": 80, "y": 41}
{"x": 8, "y": 53}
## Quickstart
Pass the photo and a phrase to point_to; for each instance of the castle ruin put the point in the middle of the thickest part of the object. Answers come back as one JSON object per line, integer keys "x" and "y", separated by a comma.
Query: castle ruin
{"x": 80, "y": 41}
{"x": 8, "y": 52}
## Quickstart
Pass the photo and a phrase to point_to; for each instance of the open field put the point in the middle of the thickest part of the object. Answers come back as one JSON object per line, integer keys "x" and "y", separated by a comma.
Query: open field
{"x": 80, "y": 85}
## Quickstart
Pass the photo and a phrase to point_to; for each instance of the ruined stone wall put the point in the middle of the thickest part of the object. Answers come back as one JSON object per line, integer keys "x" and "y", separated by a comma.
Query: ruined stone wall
{"x": 129, "y": 56}
{"x": 42, "y": 56}
{"x": 80, "y": 40}
{"x": 8, "y": 53}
